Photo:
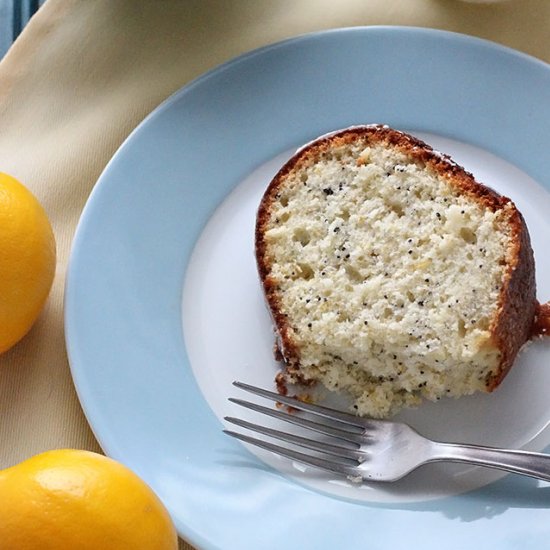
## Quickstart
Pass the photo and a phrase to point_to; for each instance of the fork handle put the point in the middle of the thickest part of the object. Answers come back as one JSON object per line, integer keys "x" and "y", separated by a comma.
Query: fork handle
{"x": 519, "y": 462}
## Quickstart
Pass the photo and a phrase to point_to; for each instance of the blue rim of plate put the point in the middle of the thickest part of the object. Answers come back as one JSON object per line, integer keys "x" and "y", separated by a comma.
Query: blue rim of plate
{"x": 131, "y": 248}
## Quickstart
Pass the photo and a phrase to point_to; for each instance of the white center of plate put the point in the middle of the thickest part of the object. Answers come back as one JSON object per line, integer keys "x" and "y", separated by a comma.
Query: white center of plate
{"x": 228, "y": 336}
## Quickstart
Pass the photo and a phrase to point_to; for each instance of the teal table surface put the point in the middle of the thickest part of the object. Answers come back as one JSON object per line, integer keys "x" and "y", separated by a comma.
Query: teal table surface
{"x": 14, "y": 15}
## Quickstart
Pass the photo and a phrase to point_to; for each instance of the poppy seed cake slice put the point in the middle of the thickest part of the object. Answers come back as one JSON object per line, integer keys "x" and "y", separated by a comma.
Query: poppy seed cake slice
{"x": 390, "y": 273}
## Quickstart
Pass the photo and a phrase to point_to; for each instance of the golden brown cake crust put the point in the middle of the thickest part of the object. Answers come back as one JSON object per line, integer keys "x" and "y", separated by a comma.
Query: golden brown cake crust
{"x": 517, "y": 304}
{"x": 517, "y": 301}
{"x": 541, "y": 324}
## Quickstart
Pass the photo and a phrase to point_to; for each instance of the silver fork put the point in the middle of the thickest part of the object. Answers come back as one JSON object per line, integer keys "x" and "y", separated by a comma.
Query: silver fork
{"x": 372, "y": 450}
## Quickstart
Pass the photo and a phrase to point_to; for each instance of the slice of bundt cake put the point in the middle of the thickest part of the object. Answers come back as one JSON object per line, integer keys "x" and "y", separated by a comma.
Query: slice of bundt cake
{"x": 390, "y": 273}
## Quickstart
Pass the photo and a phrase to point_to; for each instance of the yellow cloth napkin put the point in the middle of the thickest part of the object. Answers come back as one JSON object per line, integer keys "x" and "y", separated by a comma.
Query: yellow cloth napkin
{"x": 83, "y": 74}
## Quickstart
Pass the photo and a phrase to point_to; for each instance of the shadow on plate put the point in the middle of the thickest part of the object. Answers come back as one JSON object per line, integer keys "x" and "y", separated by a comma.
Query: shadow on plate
{"x": 513, "y": 491}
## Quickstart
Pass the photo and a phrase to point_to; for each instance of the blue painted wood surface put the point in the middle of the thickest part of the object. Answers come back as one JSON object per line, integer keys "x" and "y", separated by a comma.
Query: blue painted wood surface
{"x": 14, "y": 15}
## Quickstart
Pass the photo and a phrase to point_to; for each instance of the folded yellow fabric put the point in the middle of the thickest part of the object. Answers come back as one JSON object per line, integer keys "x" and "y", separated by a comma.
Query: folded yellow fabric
{"x": 83, "y": 74}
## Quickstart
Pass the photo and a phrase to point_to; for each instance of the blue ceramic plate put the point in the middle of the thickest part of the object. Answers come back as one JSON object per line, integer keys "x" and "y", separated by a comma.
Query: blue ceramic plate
{"x": 163, "y": 308}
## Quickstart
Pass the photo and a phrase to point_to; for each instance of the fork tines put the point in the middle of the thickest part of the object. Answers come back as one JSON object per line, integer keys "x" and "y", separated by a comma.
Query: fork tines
{"x": 343, "y": 458}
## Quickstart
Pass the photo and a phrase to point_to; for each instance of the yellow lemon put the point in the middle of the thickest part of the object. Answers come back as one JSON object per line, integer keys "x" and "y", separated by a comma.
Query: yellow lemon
{"x": 27, "y": 260}
{"x": 78, "y": 500}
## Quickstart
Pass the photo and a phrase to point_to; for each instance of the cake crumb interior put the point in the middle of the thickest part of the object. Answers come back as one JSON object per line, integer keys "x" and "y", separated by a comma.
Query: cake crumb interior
{"x": 389, "y": 275}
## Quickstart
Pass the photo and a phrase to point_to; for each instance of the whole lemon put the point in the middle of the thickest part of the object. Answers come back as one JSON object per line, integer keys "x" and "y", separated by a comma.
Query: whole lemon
{"x": 78, "y": 500}
{"x": 27, "y": 260}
